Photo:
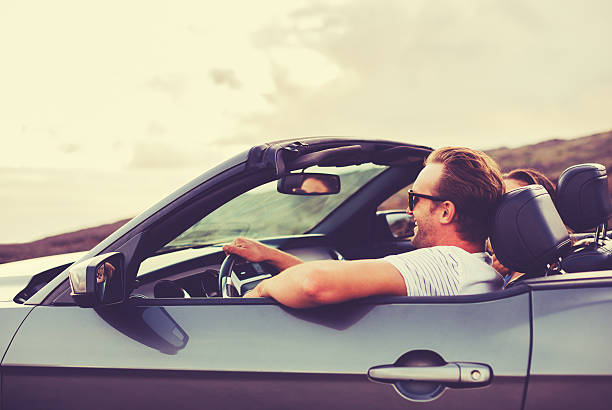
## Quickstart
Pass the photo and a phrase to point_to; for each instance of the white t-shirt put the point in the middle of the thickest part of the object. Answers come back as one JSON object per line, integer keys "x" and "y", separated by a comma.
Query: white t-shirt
{"x": 446, "y": 271}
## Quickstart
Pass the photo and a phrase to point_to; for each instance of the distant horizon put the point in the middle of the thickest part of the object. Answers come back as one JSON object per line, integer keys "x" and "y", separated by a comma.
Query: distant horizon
{"x": 191, "y": 168}
{"x": 71, "y": 209}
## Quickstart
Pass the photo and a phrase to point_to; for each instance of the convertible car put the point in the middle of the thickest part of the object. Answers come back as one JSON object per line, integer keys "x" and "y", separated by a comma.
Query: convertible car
{"x": 153, "y": 317}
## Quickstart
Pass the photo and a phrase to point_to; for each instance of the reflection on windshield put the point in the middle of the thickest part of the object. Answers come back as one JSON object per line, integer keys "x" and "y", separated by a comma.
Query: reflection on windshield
{"x": 263, "y": 212}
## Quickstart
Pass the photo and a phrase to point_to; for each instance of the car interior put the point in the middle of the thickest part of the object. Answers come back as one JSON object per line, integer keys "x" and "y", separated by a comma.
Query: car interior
{"x": 185, "y": 260}
{"x": 528, "y": 235}
{"x": 179, "y": 263}
{"x": 353, "y": 229}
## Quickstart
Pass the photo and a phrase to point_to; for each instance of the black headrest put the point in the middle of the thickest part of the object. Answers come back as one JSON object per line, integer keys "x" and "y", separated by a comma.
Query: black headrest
{"x": 527, "y": 233}
{"x": 587, "y": 258}
{"x": 583, "y": 199}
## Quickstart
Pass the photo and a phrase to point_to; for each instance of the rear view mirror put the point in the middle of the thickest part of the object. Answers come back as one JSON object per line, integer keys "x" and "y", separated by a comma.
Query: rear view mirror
{"x": 98, "y": 281}
{"x": 309, "y": 184}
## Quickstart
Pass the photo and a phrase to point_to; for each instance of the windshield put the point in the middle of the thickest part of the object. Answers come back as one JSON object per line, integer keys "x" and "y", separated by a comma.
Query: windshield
{"x": 264, "y": 212}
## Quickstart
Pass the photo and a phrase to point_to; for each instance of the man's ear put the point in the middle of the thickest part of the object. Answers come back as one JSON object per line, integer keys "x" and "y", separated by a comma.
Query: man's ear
{"x": 448, "y": 212}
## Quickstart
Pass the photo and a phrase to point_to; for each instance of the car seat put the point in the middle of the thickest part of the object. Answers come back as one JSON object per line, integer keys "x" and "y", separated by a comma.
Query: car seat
{"x": 527, "y": 233}
{"x": 583, "y": 201}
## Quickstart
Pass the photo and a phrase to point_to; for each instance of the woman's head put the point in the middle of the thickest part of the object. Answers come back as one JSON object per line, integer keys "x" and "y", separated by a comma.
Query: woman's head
{"x": 524, "y": 176}
{"x": 518, "y": 178}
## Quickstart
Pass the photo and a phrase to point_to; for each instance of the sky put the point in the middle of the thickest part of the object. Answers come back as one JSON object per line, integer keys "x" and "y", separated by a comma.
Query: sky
{"x": 139, "y": 97}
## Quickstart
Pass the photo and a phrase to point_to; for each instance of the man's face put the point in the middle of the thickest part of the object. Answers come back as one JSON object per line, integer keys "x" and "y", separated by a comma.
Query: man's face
{"x": 313, "y": 185}
{"x": 426, "y": 231}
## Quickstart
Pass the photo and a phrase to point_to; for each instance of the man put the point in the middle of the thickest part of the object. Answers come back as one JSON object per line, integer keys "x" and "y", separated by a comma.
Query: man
{"x": 451, "y": 200}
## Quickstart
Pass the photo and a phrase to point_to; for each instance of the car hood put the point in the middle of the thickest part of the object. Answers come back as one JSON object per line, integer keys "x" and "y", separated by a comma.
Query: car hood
{"x": 14, "y": 276}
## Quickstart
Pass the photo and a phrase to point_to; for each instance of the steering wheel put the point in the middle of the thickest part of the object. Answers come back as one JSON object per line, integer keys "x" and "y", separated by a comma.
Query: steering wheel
{"x": 225, "y": 285}
{"x": 248, "y": 276}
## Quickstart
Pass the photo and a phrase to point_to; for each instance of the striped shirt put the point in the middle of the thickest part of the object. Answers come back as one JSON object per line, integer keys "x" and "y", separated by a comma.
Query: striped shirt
{"x": 446, "y": 271}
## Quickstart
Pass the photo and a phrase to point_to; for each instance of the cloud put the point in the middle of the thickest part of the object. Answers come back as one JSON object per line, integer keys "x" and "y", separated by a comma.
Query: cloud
{"x": 161, "y": 153}
{"x": 225, "y": 77}
{"x": 425, "y": 71}
{"x": 482, "y": 74}
{"x": 173, "y": 85}
{"x": 156, "y": 129}
{"x": 69, "y": 148}
{"x": 151, "y": 153}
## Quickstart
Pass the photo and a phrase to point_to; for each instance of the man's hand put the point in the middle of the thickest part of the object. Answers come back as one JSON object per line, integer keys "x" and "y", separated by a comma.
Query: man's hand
{"x": 254, "y": 251}
{"x": 253, "y": 293}
{"x": 248, "y": 249}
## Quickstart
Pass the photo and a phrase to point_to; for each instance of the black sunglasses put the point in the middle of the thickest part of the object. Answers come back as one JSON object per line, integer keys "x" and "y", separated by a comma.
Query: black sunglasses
{"x": 413, "y": 198}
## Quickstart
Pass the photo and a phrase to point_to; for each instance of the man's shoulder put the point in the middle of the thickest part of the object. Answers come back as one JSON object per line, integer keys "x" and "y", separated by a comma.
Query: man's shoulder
{"x": 462, "y": 271}
{"x": 462, "y": 254}
{"x": 441, "y": 254}
{"x": 433, "y": 271}
{"x": 449, "y": 249}
{"x": 439, "y": 250}
{"x": 431, "y": 253}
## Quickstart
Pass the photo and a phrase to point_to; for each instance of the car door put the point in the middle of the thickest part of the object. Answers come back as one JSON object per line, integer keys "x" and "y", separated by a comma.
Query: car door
{"x": 11, "y": 316}
{"x": 571, "y": 365}
{"x": 256, "y": 354}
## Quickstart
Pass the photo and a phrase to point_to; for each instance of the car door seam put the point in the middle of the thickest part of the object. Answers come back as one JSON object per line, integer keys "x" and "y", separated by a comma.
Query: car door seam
{"x": 15, "y": 334}
{"x": 529, "y": 356}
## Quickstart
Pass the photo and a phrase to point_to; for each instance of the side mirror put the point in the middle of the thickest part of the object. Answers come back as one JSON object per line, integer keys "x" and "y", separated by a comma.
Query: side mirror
{"x": 400, "y": 223}
{"x": 98, "y": 281}
{"x": 309, "y": 184}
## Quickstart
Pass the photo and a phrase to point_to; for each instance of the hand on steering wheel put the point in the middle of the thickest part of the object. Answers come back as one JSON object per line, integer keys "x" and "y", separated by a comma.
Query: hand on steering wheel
{"x": 249, "y": 249}
{"x": 245, "y": 280}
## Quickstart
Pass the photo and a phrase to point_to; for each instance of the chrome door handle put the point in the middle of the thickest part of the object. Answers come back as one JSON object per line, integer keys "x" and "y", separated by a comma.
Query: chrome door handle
{"x": 457, "y": 373}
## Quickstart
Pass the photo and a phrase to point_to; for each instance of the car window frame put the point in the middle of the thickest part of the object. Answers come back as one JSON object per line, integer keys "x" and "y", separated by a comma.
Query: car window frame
{"x": 372, "y": 300}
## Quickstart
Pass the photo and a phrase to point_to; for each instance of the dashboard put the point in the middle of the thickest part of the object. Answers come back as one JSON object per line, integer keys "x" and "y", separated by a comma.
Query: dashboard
{"x": 194, "y": 273}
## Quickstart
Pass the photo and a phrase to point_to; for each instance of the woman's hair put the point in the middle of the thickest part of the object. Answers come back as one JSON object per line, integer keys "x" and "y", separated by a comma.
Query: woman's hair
{"x": 531, "y": 176}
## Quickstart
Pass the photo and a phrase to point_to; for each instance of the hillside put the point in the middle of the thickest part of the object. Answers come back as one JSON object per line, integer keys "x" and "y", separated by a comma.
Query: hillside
{"x": 551, "y": 157}
{"x": 81, "y": 240}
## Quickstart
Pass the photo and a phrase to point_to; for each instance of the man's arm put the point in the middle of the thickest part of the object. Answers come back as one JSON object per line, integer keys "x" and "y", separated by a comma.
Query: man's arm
{"x": 324, "y": 282}
{"x": 255, "y": 251}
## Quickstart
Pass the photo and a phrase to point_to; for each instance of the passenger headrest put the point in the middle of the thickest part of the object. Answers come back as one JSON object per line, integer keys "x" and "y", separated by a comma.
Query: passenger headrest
{"x": 583, "y": 199}
{"x": 527, "y": 233}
